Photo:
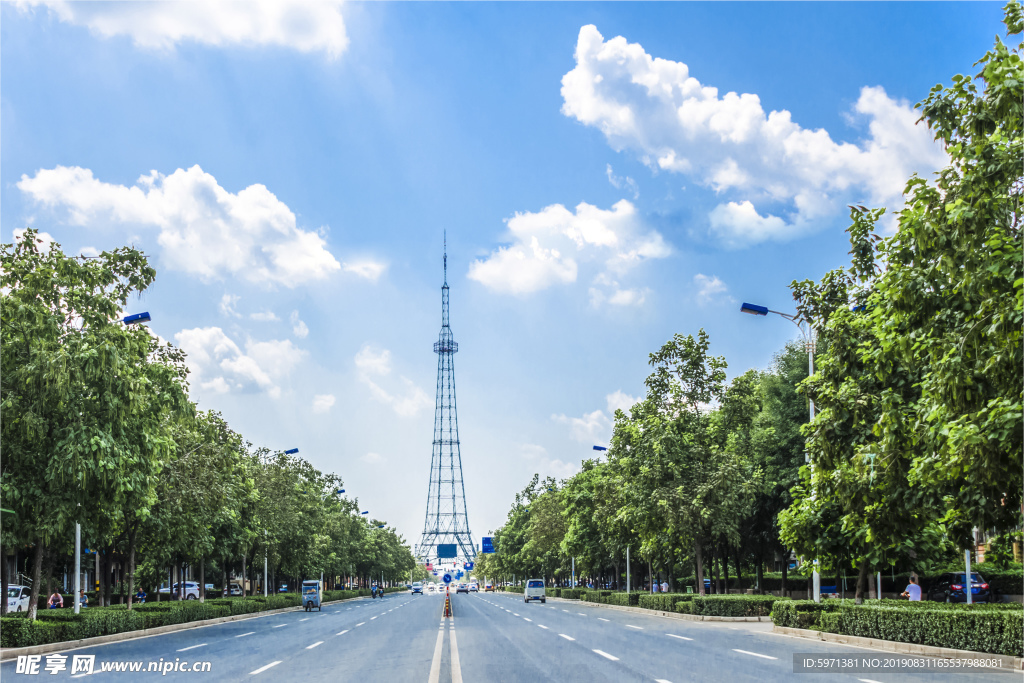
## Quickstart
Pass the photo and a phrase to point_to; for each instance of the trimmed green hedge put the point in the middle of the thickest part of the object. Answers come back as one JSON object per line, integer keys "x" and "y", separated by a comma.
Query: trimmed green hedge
{"x": 733, "y": 605}
{"x": 665, "y": 602}
{"x": 515, "y": 589}
{"x": 572, "y": 593}
{"x": 996, "y": 628}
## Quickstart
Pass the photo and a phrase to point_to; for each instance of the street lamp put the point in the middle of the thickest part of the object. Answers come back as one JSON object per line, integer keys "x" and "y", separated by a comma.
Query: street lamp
{"x": 808, "y": 335}
{"x": 266, "y": 549}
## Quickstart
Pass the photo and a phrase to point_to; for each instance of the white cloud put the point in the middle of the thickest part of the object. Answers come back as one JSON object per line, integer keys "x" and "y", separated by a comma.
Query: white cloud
{"x": 218, "y": 364}
{"x": 549, "y": 246}
{"x": 366, "y": 269}
{"x": 299, "y": 328}
{"x": 709, "y": 288}
{"x": 545, "y": 466}
{"x": 315, "y": 26}
{"x": 404, "y": 397}
{"x": 204, "y": 230}
{"x": 656, "y": 109}
{"x": 264, "y": 316}
{"x": 322, "y": 403}
{"x": 620, "y": 183}
{"x": 227, "y": 305}
{"x": 596, "y": 428}
{"x": 90, "y": 252}
{"x": 371, "y": 458}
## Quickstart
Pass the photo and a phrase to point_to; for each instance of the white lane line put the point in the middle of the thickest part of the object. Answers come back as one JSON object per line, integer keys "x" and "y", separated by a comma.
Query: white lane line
{"x": 753, "y": 654}
{"x": 454, "y": 654}
{"x": 566, "y": 637}
{"x": 527, "y": 619}
{"x": 306, "y": 619}
{"x": 661, "y": 680}
{"x": 242, "y": 635}
{"x": 280, "y": 625}
{"x": 341, "y": 633}
{"x": 867, "y": 680}
{"x": 566, "y": 611}
{"x": 310, "y": 647}
{"x": 606, "y": 655}
{"x": 672, "y": 635}
{"x": 435, "y": 665}
{"x": 601, "y": 619}
{"x": 264, "y": 668}
{"x": 360, "y": 623}
{"x": 581, "y": 614}
{"x": 372, "y": 618}
{"x": 191, "y": 647}
{"x": 514, "y": 614}
{"x": 542, "y": 626}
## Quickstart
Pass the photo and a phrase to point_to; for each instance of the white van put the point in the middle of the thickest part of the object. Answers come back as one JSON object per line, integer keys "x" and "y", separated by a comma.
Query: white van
{"x": 534, "y": 591}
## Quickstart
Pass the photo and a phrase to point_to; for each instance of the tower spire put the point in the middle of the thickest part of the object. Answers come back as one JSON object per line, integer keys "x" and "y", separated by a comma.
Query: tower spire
{"x": 446, "y": 257}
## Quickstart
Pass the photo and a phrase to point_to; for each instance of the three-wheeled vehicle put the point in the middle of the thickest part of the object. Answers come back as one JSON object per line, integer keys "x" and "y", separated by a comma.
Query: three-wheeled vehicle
{"x": 311, "y": 595}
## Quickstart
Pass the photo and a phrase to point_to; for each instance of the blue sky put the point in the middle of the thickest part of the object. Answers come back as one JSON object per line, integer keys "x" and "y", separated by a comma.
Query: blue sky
{"x": 291, "y": 170}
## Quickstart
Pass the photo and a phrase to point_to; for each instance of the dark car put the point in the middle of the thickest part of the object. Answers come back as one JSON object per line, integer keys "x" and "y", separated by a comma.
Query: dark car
{"x": 951, "y": 588}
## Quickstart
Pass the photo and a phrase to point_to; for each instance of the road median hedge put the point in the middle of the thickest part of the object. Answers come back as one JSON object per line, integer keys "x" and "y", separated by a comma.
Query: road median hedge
{"x": 58, "y": 625}
{"x": 733, "y": 605}
{"x": 991, "y": 628}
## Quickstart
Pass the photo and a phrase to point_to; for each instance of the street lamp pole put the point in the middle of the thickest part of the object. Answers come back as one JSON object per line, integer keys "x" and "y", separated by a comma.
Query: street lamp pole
{"x": 808, "y": 335}
{"x": 78, "y": 566}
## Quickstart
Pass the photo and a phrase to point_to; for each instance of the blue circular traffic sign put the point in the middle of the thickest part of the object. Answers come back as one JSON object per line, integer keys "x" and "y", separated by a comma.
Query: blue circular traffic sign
{"x": 447, "y": 578}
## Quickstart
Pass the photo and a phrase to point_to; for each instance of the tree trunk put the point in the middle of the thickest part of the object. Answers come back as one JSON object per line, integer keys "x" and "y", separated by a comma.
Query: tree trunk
{"x": 227, "y": 582}
{"x": 245, "y": 586}
{"x": 4, "y": 579}
{"x": 760, "y": 575}
{"x": 739, "y": 570}
{"x": 202, "y": 580}
{"x": 37, "y": 567}
{"x": 785, "y": 572}
{"x": 725, "y": 566}
{"x": 103, "y": 579}
{"x": 862, "y": 583}
{"x": 700, "y": 569}
{"x": 132, "y": 534}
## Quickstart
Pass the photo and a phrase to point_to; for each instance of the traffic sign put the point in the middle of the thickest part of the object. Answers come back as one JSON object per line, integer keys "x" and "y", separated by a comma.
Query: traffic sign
{"x": 468, "y": 566}
{"x": 447, "y": 550}
{"x": 447, "y": 578}
{"x": 487, "y": 544}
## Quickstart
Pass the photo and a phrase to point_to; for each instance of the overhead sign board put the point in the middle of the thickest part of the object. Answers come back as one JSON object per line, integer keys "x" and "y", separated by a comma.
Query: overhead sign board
{"x": 487, "y": 544}
{"x": 447, "y": 551}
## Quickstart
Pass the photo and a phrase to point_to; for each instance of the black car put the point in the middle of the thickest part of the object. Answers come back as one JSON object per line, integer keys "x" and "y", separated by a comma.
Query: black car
{"x": 951, "y": 588}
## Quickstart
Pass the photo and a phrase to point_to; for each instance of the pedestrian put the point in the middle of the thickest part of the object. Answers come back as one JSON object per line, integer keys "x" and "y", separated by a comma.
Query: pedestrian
{"x": 913, "y": 591}
{"x": 83, "y": 599}
{"x": 664, "y": 586}
{"x": 55, "y": 600}
{"x": 141, "y": 596}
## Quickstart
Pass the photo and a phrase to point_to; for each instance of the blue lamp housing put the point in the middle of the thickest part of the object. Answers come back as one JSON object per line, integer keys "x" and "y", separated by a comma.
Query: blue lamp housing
{"x": 754, "y": 309}
{"x": 291, "y": 451}
{"x": 600, "y": 448}
{"x": 137, "y": 318}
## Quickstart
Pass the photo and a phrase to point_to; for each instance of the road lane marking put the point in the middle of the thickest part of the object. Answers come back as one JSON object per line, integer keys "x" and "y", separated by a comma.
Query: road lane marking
{"x": 514, "y": 614}
{"x": 264, "y": 668}
{"x": 310, "y": 647}
{"x": 581, "y": 614}
{"x": 602, "y": 619}
{"x": 754, "y": 654}
{"x": 867, "y": 680}
{"x": 360, "y": 623}
{"x": 639, "y": 628}
{"x": 672, "y": 635}
{"x": 342, "y": 633}
{"x": 454, "y": 654}
{"x": 306, "y": 619}
{"x": 191, "y": 647}
{"x": 542, "y": 626}
{"x": 566, "y": 611}
{"x": 372, "y": 618}
{"x": 661, "y": 680}
{"x": 435, "y": 664}
{"x": 566, "y": 637}
{"x": 606, "y": 655}
{"x": 280, "y": 625}
{"x": 527, "y": 619}
{"x": 242, "y": 635}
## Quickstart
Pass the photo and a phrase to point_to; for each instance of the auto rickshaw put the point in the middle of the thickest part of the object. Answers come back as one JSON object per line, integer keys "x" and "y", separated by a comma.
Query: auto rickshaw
{"x": 311, "y": 595}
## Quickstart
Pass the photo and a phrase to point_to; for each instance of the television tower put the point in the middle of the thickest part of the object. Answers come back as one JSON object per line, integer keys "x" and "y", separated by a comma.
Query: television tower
{"x": 446, "y": 534}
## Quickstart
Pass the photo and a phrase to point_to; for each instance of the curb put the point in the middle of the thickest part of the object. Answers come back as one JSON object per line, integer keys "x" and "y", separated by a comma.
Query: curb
{"x": 1006, "y": 662}
{"x": 660, "y": 613}
{"x": 10, "y": 653}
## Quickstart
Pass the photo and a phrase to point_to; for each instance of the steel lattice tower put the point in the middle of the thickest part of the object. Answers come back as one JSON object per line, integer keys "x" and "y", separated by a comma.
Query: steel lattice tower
{"x": 446, "y": 521}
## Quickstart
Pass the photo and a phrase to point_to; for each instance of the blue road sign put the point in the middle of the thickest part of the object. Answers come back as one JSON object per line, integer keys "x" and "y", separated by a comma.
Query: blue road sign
{"x": 447, "y": 578}
{"x": 468, "y": 566}
{"x": 487, "y": 544}
{"x": 447, "y": 550}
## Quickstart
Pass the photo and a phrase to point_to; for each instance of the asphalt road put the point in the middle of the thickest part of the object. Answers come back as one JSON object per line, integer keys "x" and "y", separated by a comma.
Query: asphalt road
{"x": 493, "y": 637}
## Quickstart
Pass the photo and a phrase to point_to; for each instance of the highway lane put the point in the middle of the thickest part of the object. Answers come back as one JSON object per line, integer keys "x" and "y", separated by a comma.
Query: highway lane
{"x": 493, "y": 637}
{"x": 634, "y": 646}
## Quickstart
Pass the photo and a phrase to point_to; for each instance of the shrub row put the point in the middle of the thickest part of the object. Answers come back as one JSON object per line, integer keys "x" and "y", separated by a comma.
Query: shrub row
{"x": 996, "y": 629}
{"x": 58, "y": 625}
{"x": 733, "y": 605}
{"x": 665, "y": 602}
